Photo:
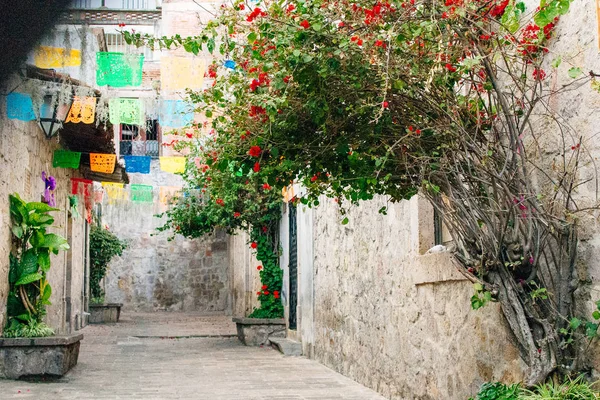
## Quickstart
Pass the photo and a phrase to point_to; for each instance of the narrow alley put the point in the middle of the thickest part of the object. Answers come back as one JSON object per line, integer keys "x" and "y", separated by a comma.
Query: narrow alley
{"x": 184, "y": 356}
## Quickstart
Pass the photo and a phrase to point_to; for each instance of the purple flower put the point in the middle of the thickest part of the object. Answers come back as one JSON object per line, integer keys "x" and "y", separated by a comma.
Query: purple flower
{"x": 50, "y": 186}
{"x": 51, "y": 183}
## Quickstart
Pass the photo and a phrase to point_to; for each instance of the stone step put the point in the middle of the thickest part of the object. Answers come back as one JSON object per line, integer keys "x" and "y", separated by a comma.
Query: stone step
{"x": 287, "y": 347}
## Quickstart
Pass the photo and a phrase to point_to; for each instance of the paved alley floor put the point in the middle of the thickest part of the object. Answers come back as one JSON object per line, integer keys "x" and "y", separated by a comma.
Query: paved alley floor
{"x": 163, "y": 356}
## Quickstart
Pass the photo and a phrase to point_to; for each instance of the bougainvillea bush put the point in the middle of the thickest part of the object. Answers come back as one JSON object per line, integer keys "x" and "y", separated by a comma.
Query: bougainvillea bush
{"x": 354, "y": 99}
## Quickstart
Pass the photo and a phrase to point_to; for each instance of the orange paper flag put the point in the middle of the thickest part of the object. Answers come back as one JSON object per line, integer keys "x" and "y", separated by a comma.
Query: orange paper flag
{"x": 104, "y": 163}
{"x": 82, "y": 110}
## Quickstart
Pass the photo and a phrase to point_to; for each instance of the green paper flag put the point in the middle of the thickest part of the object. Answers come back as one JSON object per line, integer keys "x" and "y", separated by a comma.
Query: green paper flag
{"x": 118, "y": 69}
{"x": 66, "y": 159}
{"x": 126, "y": 111}
{"x": 141, "y": 193}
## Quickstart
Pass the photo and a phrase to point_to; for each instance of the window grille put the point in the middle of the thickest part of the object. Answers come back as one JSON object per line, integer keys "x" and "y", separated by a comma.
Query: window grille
{"x": 140, "y": 142}
{"x": 116, "y": 4}
{"x": 116, "y": 43}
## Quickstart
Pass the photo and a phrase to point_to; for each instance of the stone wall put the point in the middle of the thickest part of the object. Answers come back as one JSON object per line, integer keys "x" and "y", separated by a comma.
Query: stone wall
{"x": 24, "y": 154}
{"x": 157, "y": 274}
{"x": 374, "y": 307}
{"x": 244, "y": 277}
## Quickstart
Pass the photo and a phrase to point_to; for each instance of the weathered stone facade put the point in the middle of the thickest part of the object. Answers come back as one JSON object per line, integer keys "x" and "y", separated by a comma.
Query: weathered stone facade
{"x": 374, "y": 307}
{"x": 24, "y": 154}
{"x": 155, "y": 273}
{"x": 243, "y": 275}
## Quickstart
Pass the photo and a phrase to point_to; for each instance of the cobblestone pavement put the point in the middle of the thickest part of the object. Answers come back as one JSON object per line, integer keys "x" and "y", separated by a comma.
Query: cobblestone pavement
{"x": 163, "y": 356}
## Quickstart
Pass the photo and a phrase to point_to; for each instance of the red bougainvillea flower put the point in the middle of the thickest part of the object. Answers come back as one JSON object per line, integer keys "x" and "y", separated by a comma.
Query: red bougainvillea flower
{"x": 266, "y": 186}
{"x": 257, "y": 12}
{"x": 266, "y": 292}
{"x": 291, "y": 8}
{"x": 341, "y": 24}
{"x": 276, "y": 294}
{"x": 254, "y": 151}
{"x": 305, "y": 24}
{"x": 241, "y": 6}
{"x": 264, "y": 287}
{"x": 286, "y": 79}
{"x": 258, "y": 293}
{"x": 539, "y": 74}
{"x": 253, "y": 245}
{"x": 314, "y": 178}
{"x": 220, "y": 202}
{"x": 385, "y": 104}
{"x": 254, "y": 85}
{"x": 259, "y": 267}
{"x": 498, "y": 10}
{"x": 256, "y": 167}
{"x": 236, "y": 214}
{"x": 450, "y": 67}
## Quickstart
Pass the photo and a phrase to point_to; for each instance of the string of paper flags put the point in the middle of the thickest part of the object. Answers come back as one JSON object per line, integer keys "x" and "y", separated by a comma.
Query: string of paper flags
{"x": 119, "y": 70}
{"x": 172, "y": 113}
{"x": 136, "y": 193}
{"x": 105, "y": 163}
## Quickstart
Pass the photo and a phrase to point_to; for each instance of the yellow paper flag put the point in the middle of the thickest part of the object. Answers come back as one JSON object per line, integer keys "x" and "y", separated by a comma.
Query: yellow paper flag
{"x": 114, "y": 191}
{"x": 167, "y": 193}
{"x": 172, "y": 164}
{"x": 56, "y": 57}
{"x": 180, "y": 73}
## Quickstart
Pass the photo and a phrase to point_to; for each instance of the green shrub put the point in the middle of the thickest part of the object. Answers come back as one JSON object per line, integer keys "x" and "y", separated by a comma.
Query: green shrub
{"x": 572, "y": 389}
{"x": 29, "y": 263}
{"x": 104, "y": 245}
{"x": 498, "y": 391}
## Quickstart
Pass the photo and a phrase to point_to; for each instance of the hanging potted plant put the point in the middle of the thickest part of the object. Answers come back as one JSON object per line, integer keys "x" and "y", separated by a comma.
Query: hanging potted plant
{"x": 104, "y": 245}
{"x": 29, "y": 294}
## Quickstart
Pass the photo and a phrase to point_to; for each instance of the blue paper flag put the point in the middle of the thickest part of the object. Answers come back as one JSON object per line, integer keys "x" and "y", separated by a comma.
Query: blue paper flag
{"x": 19, "y": 106}
{"x": 139, "y": 164}
{"x": 176, "y": 113}
{"x": 229, "y": 64}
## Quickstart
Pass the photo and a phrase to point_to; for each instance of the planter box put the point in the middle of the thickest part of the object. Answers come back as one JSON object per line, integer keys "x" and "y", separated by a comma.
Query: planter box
{"x": 256, "y": 331}
{"x": 105, "y": 313}
{"x": 38, "y": 357}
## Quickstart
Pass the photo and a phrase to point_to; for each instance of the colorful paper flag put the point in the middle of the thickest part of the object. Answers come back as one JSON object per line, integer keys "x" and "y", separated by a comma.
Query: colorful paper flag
{"x": 139, "y": 164}
{"x": 56, "y": 57}
{"x": 114, "y": 191}
{"x": 19, "y": 106}
{"x": 176, "y": 113}
{"x": 81, "y": 186}
{"x": 180, "y": 73}
{"x": 118, "y": 69}
{"x": 83, "y": 110}
{"x": 173, "y": 165}
{"x": 168, "y": 193}
{"x": 66, "y": 159}
{"x": 141, "y": 193}
{"x": 126, "y": 111}
{"x": 103, "y": 163}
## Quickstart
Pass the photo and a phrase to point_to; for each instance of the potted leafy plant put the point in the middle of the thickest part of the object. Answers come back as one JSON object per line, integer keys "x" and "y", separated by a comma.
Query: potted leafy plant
{"x": 104, "y": 245}
{"x": 29, "y": 294}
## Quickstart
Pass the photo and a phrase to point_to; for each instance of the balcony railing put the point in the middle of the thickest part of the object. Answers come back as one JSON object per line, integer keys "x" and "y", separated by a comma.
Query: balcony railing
{"x": 115, "y": 4}
{"x": 113, "y": 12}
